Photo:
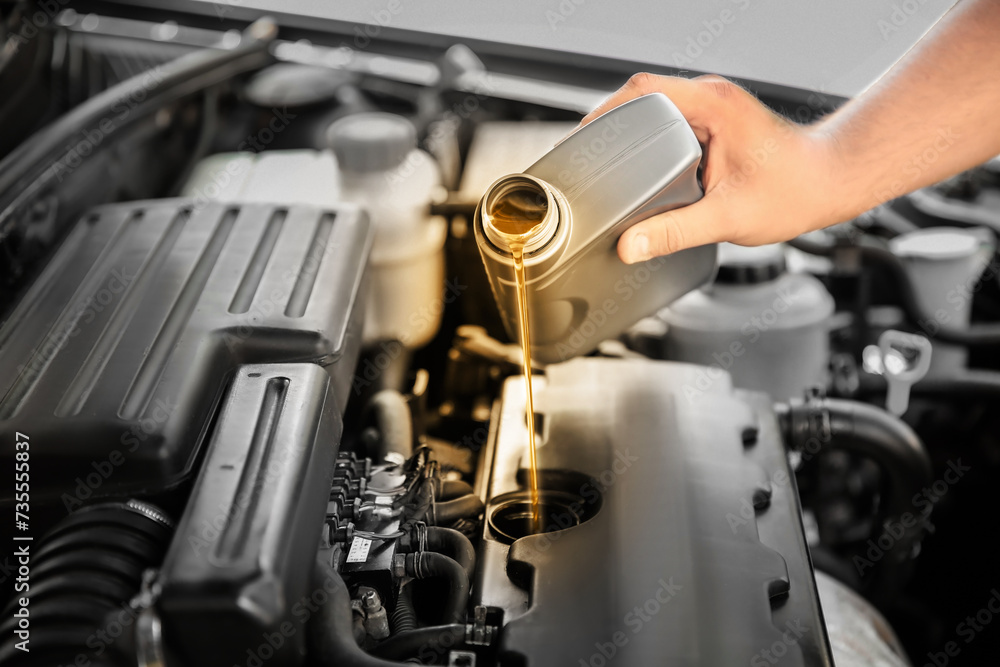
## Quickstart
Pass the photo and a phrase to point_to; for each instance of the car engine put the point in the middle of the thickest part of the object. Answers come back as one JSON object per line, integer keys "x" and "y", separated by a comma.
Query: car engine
{"x": 262, "y": 410}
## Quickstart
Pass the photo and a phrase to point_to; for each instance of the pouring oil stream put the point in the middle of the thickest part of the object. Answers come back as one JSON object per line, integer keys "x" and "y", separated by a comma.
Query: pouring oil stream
{"x": 516, "y": 217}
{"x": 522, "y": 307}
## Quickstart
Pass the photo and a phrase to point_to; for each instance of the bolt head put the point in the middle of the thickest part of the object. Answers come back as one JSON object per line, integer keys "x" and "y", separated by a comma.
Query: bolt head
{"x": 371, "y": 600}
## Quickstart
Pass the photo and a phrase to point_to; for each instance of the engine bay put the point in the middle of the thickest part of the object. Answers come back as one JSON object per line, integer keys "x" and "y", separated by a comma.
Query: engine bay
{"x": 272, "y": 414}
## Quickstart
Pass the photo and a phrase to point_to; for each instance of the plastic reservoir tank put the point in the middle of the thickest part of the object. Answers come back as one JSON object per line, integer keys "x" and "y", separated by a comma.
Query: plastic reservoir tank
{"x": 383, "y": 171}
{"x": 765, "y": 326}
{"x": 944, "y": 264}
{"x": 375, "y": 163}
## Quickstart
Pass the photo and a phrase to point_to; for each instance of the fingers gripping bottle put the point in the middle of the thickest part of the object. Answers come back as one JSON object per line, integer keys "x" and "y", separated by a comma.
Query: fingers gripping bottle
{"x": 564, "y": 215}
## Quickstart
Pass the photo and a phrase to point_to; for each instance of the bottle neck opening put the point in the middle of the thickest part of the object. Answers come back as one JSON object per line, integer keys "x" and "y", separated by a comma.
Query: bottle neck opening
{"x": 520, "y": 210}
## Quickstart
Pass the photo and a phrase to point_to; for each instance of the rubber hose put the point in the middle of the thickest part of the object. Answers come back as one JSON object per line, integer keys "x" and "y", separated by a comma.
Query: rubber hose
{"x": 428, "y": 565}
{"x": 394, "y": 423}
{"x": 88, "y": 566}
{"x": 453, "y": 488}
{"x": 422, "y": 642}
{"x": 404, "y": 617}
{"x": 422, "y": 500}
{"x": 864, "y": 429}
{"x": 891, "y": 443}
{"x": 30, "y": 163}
{"x": 453, "y": 544}
{"x": 975, "y": 334}
{"x": 888, "y": 440}
{"x": 451, "y": 511}
{"x": 965, "y": 383}
{"x": 331, "y": 628}
{"x": 872, "y": 432}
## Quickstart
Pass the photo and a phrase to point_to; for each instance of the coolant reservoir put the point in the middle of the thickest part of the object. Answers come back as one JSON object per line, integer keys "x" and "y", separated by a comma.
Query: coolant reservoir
{"x": 383, "y": 171}
{"x": 766, "y": 327}
{"x": 944, "y": 264}
{"x": 633, "y": 162}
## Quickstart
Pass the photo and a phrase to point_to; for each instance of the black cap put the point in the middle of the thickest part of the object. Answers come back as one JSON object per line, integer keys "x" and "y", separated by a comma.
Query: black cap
{"x": 739, "y": 265}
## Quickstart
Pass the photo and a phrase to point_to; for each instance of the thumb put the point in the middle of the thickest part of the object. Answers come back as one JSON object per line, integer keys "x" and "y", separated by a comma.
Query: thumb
{"x": 670, "y": 232}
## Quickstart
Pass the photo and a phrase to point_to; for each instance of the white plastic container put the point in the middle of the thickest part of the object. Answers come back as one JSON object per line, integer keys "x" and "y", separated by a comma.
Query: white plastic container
{"x": 304, "y": 177}
{"x": 378, "y": 167}
{"x": 383, "y": 171}
{"x": 768, "y": 328}
{"x": 944, "y": 265}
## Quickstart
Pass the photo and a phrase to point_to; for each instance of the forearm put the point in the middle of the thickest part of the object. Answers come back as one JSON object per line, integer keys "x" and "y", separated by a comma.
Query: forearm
{"x": 935, "y": 114}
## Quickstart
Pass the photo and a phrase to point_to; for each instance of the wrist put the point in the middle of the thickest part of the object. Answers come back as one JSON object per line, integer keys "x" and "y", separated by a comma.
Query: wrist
{"x": 835, "y": 194}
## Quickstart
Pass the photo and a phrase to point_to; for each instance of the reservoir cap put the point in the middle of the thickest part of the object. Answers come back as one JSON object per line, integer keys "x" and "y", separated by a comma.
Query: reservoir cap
{"x": 937, "y": 243}
{"x": 739, "y": 265}
{"x": 371, "y": 141}
{"x": 289, "y": 84}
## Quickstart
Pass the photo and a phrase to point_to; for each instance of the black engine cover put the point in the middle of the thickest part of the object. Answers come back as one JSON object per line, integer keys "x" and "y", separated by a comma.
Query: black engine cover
{"x": 240, "y": 565}
{"x": 115, "y": 360}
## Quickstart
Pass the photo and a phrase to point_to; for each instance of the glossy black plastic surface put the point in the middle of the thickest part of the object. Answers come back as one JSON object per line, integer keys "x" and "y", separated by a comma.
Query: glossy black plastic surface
{"x": 243, "y": 553}
{"x": 114, "y": 362}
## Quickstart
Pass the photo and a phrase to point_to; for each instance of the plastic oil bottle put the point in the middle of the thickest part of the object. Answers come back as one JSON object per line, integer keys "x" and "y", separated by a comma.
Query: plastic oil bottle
{"x": 548, "y": 237}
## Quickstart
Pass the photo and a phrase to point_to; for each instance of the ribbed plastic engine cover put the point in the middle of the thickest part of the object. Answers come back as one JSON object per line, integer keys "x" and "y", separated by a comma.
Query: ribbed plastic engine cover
{"x": 693, "y": 554}
{"x": 114, "y": 362}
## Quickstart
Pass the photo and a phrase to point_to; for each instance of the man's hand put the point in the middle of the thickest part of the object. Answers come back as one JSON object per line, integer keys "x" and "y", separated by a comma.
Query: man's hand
{"x": 766, "y": 179}
{"x": 931, "y": 116}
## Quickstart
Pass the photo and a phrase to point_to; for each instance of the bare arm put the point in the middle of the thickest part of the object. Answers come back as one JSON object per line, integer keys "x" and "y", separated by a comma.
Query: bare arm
{"x": 936, "y": 113}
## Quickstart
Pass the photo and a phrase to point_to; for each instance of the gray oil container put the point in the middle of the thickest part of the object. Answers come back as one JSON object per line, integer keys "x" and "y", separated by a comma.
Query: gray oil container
{"x": 633, "y": 162}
